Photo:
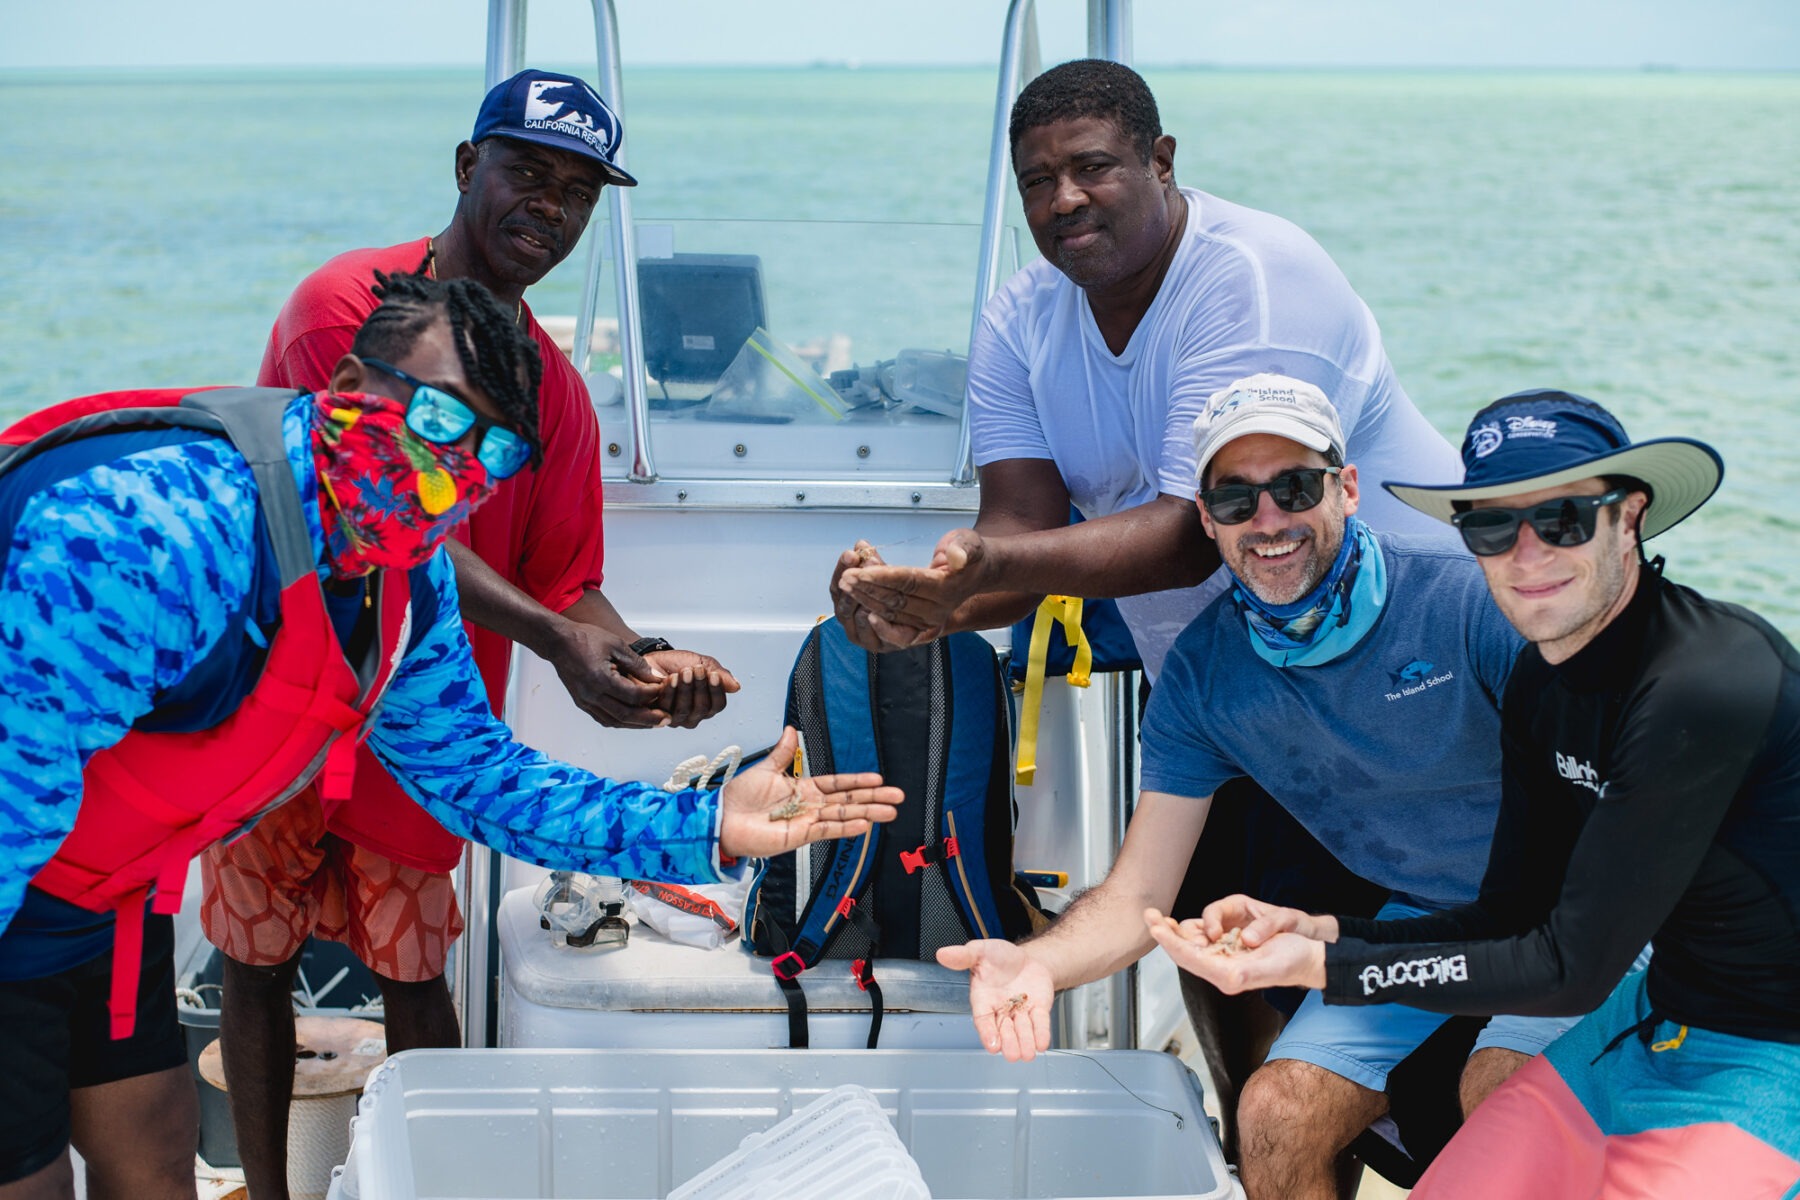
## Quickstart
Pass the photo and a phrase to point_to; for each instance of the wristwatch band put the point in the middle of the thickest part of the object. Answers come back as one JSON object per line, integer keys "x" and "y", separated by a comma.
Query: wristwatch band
{"x": 649, "y": 645}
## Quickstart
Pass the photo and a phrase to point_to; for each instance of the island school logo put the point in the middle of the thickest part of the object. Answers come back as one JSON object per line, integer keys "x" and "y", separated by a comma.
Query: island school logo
{"x": 561, "y": 107}
{"x": 1485, "y": 439}
{"x": 1415, "y": 677}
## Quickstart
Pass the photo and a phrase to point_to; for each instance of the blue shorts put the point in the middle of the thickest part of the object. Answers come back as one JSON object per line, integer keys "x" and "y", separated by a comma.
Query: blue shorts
{"x": 1363, "y": 1043}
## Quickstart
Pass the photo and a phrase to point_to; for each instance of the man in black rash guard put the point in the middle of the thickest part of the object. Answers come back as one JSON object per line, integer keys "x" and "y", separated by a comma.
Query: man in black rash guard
{"x": 1650, "y": 741}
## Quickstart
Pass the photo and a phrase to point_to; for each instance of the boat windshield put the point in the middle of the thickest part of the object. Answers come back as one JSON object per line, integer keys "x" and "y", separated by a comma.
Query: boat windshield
{"x": 790, "y": 349}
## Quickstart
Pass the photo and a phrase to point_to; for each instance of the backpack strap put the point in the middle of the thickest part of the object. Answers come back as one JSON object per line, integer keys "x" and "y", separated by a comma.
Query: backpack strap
{"x": 787, "y": 966}
{"x": 252, "y": 418}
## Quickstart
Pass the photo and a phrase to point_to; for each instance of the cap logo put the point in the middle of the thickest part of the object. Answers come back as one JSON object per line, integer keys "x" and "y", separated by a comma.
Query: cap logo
{"x": 1485, "y": 439}
{"x": 557, "y": 106}
{"x": 1530, "y": 427}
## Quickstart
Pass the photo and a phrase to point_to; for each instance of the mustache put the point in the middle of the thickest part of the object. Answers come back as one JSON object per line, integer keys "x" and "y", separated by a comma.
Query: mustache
{"x": 1075, "y": 222}
{"x": 536, "y": 229}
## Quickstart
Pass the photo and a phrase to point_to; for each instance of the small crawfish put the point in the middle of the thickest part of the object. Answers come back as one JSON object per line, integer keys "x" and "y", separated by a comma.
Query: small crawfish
{"x": 1231, "y": 943}
{"x": 790, "y": 808}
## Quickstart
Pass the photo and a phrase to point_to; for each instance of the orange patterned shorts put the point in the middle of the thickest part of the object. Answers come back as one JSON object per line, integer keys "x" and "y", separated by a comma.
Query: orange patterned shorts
{"x": 264, "y": 893}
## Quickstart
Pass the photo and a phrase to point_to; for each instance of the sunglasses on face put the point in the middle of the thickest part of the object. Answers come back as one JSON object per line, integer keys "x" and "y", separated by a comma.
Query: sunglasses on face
{"x": 1292, "y": 491}
{"x": 1566, "y": 521}
{"x": 443, "y": 420}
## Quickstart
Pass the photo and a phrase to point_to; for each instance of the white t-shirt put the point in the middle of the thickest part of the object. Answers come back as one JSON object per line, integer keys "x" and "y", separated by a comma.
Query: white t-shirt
{"x": 1246, "y": 293}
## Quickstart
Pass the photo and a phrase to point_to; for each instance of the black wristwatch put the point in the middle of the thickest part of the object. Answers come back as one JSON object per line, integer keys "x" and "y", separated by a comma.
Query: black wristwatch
{"x": 650, "y": 645}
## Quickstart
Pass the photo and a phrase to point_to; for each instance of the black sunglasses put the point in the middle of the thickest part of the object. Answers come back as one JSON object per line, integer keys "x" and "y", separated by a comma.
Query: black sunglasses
{"x": 1565, "y": 521}
{"x": 1292, "y": 491}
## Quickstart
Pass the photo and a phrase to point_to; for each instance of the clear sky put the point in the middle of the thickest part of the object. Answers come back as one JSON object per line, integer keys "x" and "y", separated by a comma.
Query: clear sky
{"x": 1695, "y": 34}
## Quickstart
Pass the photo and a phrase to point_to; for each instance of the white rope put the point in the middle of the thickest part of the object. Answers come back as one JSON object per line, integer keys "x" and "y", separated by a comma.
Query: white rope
{"x": 318, "y": 1140}
{"x": 697, "y": 771}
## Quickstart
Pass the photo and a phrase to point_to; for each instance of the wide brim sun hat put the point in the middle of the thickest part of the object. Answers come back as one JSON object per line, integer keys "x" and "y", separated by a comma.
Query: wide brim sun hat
{"x": 1533, "y": 440}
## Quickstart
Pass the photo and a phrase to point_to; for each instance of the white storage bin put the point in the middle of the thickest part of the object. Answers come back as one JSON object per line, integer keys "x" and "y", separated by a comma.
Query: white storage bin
{"x": 636, "y": 1124}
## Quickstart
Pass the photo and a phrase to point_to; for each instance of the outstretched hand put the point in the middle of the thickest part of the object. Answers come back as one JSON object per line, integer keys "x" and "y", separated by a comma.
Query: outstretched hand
{"x": 1010, "y": 994}
{"x": 1230, "y": 964}
{"x": 909, "y": 606}
{"x": 766, "y": 810}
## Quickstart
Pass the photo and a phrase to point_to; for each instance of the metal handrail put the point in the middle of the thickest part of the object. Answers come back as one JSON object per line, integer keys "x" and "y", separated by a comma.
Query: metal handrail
{"x": 1109, "y": 30}
{"x": 505, "y": 57}
{"x": 505, "y": 40}
{"x": 625, "y": 280}
{"x": 1021, "y": 24}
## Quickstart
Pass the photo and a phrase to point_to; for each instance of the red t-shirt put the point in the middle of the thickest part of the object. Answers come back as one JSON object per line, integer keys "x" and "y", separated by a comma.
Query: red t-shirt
{"x": 541, "y": 530}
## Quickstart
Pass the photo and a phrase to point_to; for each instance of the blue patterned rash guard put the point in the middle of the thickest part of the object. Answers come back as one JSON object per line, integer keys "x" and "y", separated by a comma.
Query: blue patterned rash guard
{"x": 126, "y": 580}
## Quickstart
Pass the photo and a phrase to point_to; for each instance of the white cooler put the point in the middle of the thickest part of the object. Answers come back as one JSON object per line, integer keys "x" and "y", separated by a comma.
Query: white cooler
{"x": 654, "y": 994}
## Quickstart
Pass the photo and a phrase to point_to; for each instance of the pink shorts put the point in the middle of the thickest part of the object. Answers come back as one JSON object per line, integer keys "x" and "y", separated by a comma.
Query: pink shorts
{"x": 288, "y": 878}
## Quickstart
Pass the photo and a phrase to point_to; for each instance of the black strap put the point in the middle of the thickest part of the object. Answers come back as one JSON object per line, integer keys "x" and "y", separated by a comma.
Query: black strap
{"x": 787, "y": 966}
{"x": 790, "y": 963}
{"x": 796, "y": 1006}
{"x": 864, "y": 968}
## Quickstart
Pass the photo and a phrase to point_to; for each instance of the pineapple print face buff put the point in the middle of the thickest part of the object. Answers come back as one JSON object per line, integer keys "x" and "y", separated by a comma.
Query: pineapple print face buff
{"x": 388, "y": 498}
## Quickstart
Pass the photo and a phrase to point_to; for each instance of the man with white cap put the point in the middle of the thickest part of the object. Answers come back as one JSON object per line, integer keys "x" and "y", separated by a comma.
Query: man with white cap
{"x": 1651, "y": 776}
{"x": 1356, "y": 677}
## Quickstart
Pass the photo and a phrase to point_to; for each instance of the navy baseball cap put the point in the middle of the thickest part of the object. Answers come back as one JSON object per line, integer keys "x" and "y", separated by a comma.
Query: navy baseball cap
{"x": 559, "y": 111}
{"x": 1543, "y": 439}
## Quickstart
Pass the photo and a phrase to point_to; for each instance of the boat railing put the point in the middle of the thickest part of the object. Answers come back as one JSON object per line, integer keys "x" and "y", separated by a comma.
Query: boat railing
{"x": 1108, "y": 35}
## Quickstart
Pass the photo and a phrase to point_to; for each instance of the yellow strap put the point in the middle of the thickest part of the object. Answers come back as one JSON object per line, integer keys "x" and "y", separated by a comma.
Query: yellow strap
{"x": 1673, "y": 1043}
{"x": 1067, "y": 610}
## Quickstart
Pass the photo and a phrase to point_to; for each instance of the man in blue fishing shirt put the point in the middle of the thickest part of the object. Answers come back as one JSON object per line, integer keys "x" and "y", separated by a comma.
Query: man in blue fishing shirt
{"x": 206, "y": 603}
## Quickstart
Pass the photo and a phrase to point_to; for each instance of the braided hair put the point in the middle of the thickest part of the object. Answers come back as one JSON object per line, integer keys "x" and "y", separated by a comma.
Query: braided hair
{"x": 1089, "y": 87}
{"x": 497, "y": 356}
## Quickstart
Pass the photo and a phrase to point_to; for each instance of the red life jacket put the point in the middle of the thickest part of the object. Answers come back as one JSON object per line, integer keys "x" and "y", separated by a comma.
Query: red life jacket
{"x": 154, "y": 800}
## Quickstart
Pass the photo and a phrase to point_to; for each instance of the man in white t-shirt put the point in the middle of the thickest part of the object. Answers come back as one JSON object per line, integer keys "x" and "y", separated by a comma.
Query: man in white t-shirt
{"x": 1085, "y": 377}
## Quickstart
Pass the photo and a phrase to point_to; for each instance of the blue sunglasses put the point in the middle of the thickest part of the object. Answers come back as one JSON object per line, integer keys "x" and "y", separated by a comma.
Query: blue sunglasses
{"x": 442, "y": 419}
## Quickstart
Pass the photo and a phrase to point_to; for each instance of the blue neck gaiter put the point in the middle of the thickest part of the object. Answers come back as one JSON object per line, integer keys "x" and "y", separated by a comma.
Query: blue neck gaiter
{"x": 1326, "y": 622}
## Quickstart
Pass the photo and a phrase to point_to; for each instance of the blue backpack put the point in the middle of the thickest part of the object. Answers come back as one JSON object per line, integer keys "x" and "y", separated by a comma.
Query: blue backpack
{"x": 935, "y": 721}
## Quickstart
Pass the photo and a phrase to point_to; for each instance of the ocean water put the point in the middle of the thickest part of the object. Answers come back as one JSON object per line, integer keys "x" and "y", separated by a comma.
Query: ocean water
{"x": 1629, "y": 236}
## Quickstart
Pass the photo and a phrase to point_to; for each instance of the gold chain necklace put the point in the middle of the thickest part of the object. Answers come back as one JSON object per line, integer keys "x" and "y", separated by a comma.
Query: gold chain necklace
{"x": 431, "y": 273}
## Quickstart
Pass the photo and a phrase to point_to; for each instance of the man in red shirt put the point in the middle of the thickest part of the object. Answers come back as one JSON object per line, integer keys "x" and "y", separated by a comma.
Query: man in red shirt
{"x": 374, "y": 872}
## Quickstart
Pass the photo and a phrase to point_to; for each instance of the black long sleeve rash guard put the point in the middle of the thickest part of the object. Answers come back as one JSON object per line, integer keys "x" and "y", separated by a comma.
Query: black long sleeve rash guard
{"x": 1651, "y": 792}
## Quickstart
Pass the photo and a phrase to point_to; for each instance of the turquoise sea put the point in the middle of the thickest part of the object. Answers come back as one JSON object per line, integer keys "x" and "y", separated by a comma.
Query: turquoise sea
{"x": 1630, "y": 236}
